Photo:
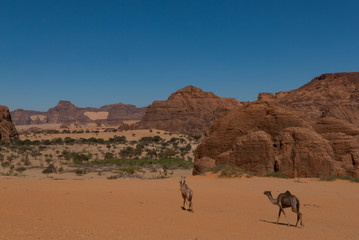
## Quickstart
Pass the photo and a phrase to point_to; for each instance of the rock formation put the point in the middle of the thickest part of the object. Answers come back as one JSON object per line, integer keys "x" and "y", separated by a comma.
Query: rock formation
{"x": 329, "y": 95}
{"x": 308, "y": 132}
{"x": 189, "y": 110}
{"x": 7, "y": 129}
{"x": 66, "y": 112}
{"x": 264, "y": 137}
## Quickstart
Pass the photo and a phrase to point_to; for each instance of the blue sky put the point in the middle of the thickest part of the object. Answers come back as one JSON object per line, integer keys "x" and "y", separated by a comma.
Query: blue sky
{"x": 102, "y": 52}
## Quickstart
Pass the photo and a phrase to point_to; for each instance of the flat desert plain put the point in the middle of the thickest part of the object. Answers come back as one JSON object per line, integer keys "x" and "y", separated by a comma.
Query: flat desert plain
{"x": 236, "y": 208}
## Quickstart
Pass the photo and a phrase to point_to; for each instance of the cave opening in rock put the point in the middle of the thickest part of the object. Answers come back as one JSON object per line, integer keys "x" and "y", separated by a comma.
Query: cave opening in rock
{"x": 276, "y": 166}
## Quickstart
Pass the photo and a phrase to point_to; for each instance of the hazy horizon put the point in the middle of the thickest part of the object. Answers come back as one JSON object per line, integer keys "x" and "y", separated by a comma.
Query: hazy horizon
{"x": 135, "y": 52}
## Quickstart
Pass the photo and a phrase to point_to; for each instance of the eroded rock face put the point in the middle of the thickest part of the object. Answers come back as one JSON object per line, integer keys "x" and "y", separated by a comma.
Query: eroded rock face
{"x": 189, "y": 111}
{"x": 66, "y": 112}
{"x": 7, "y": 129}
{"x": 329, "y": 95}
{"x": 265, "y": 136}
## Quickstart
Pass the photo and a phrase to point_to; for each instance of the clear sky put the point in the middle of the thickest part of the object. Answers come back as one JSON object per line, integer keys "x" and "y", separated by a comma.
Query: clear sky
{"x": 101, "y": 52}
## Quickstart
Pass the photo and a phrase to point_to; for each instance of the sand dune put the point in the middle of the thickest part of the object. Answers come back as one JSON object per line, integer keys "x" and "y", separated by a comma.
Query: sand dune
{"x": 96, "y": 115}
{"x": 150, "y": 209}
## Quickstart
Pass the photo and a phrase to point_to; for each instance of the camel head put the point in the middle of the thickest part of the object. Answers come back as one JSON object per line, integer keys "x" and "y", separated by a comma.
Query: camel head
{"x": 268, "y": 193}
{"x": 182, "y": 180}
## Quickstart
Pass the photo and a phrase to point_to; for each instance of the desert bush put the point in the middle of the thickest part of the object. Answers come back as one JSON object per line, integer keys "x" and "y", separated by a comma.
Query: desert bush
{"x": 80, "y": 172}
{"x": 57, "y": 141}
{"x": 79, "y": 158}
{"x": 167, "y": 153}
{"x": 109, "y": 155}
{"x": 27, "y": 162}
{"x": 127, "y": 152}
{"x": 116, "y": 139}
{"x": 48, "y": 160}
{"x": 147, "y": 140}
{"x": 335, "y": 177}
{"x": 276, "y": 174}
{"x": 11, "y": 157}
{"x": 112, "y": 177}
{"x": 5, "y": 164}
{"x": 228, "y": 170}
{"x": 50, "y": 169}
{"x": 20, "y": 169}
{"x": 60, "y": 170}
{"x": 151, "y": 153}
{"x": 129, "y": 170}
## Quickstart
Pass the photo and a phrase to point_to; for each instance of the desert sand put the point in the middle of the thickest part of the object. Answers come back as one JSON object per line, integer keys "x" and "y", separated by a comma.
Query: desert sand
{"x": 34, "y": 208}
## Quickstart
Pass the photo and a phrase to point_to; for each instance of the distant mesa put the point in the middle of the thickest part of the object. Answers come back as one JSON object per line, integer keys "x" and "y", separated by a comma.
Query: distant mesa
{"x": 66, "y": 113}
{"x": 7, "y": 129}
{"x": 308, "y": 132}
{"x": 189, "y": 111}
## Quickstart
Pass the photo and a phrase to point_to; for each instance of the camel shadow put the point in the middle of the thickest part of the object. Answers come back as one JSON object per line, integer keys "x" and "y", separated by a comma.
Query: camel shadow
{"x": 283, "y": 224}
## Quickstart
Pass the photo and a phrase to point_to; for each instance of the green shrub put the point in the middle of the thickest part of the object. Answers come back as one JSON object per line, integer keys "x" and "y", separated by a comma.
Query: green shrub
{"x": 335, "y": 177}
{"x": 228, "y": 170}
{"x": 276, "y": 174}
{"x": 112, "y": 177}
{"x": 50, "y": 169}
{"x": 80, "y": 172}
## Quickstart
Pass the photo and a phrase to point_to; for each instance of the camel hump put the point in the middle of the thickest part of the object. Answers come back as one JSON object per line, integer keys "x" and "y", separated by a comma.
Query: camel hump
{"x": 288, "y": 193}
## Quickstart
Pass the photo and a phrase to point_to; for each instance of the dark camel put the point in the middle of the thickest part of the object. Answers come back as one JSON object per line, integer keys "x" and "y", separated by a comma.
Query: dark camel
{"x": 286, "y": 200}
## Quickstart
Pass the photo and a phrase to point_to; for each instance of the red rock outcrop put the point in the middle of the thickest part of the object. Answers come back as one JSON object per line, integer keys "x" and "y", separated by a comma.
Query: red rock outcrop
{"x": 7, "y": 129}
{"x": 66, "y": 112}
{"x": 266, "y": 136}
{"x": 329, "y": 95}
{"x": 189, "y": 110}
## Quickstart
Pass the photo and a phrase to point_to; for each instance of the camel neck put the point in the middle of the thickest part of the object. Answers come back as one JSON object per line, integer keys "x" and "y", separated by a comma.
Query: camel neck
{"x": 271, "y": 199}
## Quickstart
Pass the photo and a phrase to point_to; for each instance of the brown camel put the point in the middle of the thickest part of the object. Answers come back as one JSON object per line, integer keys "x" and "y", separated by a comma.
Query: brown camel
{"x": 286, "y": 200}
{"x": 186, "y": 194}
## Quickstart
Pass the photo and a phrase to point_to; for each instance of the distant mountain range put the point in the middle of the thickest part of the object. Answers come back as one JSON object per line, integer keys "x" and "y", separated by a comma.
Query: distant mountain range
{"x": 66, "y": 112}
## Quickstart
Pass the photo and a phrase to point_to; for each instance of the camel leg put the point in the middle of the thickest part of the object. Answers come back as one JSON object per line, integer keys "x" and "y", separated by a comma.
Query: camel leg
{"x": 280, "y": 211}
{"x": 190, "y": 206}
{"x": 301, "y": 219}
{"x": 299, "y": 216}
{"x": 285, "y": 217}
{"x": 184, "y": 202}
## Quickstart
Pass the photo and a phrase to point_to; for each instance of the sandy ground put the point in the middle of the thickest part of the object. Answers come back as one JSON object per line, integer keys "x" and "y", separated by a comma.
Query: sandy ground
{"x": 151, "y": 209}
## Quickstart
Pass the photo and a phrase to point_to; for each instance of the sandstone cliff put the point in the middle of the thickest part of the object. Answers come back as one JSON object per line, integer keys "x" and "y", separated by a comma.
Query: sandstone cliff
{"x": 266, "y": 136}
{"x": 66, "y": 112}
{"x": 329, "y": 95}
{"x": 189, "y": 110}
{"x": 7, "y": 129}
